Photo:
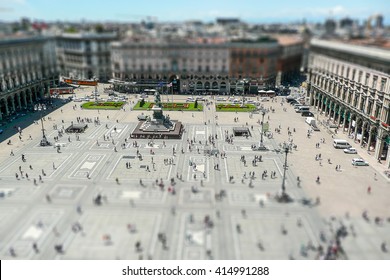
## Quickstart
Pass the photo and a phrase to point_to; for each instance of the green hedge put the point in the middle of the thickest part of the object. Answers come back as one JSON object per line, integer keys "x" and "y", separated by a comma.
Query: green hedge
{"x": 235, "y": 107}
{"x": 103, "y": 105}
{"x": 187, "y": 106}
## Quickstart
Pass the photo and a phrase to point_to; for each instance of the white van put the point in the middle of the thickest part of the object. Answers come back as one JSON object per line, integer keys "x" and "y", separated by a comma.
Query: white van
{"x": 341, "y": 144}
{"x": 302, "y": 109}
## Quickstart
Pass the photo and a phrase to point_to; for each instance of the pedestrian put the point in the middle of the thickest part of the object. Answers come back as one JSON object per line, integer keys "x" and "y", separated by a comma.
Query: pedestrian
{"x": 35, "y": 248}
{"x": 384, "y": 247}
{"x": 12, "y": 252}
{"x": 369, "y": 190}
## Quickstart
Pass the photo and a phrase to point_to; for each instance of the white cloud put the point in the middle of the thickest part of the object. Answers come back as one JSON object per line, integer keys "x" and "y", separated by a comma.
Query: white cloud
{"x": 338, "y": 10}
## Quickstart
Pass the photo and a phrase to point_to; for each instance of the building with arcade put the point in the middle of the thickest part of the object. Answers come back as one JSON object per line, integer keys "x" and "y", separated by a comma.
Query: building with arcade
{"x": 200, "y": 65}
{"x": 349, "y": 83}
{"x": 27, "y": 71}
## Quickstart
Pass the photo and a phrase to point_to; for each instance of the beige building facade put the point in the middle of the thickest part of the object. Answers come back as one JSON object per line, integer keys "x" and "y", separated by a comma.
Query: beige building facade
{"x": 27, "y": 70}
{"x": 351, "y": 85}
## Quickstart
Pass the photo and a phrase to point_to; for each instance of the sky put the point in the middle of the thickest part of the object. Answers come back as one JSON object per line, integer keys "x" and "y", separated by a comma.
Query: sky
{"x": 252, "y": 11}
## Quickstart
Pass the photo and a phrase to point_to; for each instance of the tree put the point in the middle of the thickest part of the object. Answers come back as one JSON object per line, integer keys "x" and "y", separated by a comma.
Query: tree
{"x": 99, "y": 28}
{"x": 196, "y": 104}
{"x": 142, "y": 102}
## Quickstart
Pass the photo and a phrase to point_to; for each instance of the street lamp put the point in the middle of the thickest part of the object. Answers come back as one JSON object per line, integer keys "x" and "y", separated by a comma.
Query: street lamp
{"x": 95, "y": 94}
{"x": 261, "y": 144}
{"x": 42, "y": 107}
{"x": 283, "y": 196}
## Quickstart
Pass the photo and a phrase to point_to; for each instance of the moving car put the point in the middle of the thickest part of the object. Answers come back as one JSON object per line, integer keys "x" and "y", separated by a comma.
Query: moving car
{"x": 350, "y": 151}
{"x": 359, "y": 162}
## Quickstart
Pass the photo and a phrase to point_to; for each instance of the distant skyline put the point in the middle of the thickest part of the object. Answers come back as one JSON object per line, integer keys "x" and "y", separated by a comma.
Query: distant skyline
{"x": 252, "y": 11}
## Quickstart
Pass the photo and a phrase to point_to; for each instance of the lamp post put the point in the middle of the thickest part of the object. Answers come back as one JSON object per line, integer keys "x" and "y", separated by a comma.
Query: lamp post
{"x": 283, "y": 196}
{"x": 261, "y": 144}
{"x": 44, "y": 141}
{"x": 262, "y": 128}
{"x": 95, "y": 94}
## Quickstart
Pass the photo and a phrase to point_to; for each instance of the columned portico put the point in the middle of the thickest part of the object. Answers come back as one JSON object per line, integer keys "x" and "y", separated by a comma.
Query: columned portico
{"x": 24, "y": 99}
{"x": 356, "y": 129}
{"x": 13, "y": 104}
{"x": 19, "y": 101}
{"x": 370, "y": 132}
{"x": 30, "y": 99}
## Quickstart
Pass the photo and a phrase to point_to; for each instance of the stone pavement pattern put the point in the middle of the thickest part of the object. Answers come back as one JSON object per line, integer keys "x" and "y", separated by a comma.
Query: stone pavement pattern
{"x": 188, "y": 220}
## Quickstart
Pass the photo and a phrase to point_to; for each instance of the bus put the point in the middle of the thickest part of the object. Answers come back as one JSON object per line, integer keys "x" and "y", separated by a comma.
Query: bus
{"x": 61, "y": 90}
{"x": 81, "y": 82}
{"x": 149, "y": 91}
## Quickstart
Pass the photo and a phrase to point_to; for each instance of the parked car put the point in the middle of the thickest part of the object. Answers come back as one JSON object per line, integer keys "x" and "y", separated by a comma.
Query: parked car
{"x": 350, "y": 151}
{"x": 142, "y": 117}
{"x": 291, "y": 100}
{"x": 307, "y": 114}
{"x": 359, "y": 162}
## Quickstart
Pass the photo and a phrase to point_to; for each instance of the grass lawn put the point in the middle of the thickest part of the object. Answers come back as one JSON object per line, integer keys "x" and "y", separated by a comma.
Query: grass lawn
{"x": 103, "y": 105}
{"x": 234, "y": 108}
{"x": 188, "y": 106}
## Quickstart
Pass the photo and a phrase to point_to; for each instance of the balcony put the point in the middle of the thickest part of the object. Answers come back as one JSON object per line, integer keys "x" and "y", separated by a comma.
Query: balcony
{"x": 385, "y": 126}
{"x": 380, "y": 94}
{"x": 372, "y": 91}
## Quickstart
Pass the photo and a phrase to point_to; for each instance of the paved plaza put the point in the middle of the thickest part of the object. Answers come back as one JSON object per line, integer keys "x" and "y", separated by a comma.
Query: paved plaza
{"x": 104, "y": 195}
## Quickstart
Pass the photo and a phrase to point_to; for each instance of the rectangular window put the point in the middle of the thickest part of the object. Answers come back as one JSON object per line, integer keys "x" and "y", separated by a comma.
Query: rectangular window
{"x": 374, "y": 81}
{"x": 360, "y": 76}
{"x": 353, "y": 74}
{"x": 383, "y": 84}
{"x": 367, "y": 78}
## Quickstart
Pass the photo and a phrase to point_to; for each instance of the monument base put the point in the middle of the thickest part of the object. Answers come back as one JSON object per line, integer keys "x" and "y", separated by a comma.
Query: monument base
{"x": 283, "y": 198}
{"x": 157, "y": 130}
